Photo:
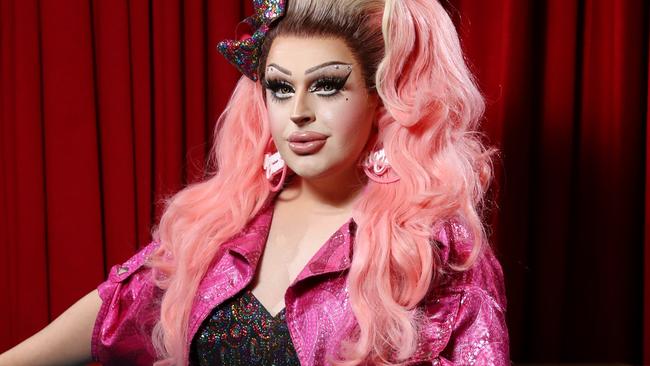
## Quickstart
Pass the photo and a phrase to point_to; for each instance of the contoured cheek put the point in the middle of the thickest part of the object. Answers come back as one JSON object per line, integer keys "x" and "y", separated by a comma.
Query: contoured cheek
{"x": 347, "y": 119}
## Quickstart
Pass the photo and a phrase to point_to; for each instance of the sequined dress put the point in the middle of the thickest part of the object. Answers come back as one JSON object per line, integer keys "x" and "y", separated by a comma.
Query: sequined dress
{"x": 242, "y": 332}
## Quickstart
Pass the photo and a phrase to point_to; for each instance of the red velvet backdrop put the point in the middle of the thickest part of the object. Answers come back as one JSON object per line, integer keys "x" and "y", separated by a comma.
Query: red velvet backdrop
{"x": 107, "y": 107}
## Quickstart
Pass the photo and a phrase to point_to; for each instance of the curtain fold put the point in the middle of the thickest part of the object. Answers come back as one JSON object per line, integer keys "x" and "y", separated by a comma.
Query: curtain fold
{"x": 108, "y": 107}
{"x": 646, "y": 257}
{"x": 23, "y": 252}
{"x": 609, "y": 185}
{"x": 566, "y": 85}
{"x": 105, "y": 113}
{"x": 114, "y": 118}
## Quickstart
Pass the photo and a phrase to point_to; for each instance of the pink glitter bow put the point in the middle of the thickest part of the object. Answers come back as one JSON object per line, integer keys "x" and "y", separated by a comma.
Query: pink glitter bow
{"x": 245, "y": 52}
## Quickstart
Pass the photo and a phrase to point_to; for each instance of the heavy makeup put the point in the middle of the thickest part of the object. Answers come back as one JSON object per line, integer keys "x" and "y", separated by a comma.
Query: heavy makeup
{"x": 319, "y": 109}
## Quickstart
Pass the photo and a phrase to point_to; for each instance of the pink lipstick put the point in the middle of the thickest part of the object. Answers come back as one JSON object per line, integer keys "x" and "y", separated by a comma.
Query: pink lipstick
{"x": 306, "y": 142}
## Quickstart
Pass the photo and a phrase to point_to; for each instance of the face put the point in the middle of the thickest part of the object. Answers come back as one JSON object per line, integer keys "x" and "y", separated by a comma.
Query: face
{"x": 319, "y": 109}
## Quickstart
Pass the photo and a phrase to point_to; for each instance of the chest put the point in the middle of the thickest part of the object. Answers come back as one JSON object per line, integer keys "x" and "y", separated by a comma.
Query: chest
{"x": 316, "y": 301}
{"x": 292, "y": 243}
{"x": 317, "y": 310}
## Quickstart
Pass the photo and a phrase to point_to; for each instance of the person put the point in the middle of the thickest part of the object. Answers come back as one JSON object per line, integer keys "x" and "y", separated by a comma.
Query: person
{"x": 342, "y": 222}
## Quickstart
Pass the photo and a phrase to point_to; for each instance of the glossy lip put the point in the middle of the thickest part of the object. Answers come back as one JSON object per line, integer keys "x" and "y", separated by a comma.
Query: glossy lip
{"x": 307, "y": 147}
{"x": 306, "y": 142}
{"x": 306, "y": 136}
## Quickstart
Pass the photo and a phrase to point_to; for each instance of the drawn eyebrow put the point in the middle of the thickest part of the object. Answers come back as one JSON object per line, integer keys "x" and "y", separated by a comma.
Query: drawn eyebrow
{"x": 311, "y": 69}
{"x": 281, "y": 69}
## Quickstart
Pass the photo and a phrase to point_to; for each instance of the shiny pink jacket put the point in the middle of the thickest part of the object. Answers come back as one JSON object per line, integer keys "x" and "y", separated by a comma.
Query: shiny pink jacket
{"x": 465, "y": 313}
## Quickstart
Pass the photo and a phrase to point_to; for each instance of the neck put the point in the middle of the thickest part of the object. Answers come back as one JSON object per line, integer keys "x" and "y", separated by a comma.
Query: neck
{"x": 328, "y": 195}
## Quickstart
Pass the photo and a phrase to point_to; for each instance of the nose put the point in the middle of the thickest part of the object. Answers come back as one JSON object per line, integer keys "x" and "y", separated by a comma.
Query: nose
{"x": 302, "y": 112}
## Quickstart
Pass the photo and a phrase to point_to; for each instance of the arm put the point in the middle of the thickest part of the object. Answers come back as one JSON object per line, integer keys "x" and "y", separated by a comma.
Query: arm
{"x": 65, "y": 341}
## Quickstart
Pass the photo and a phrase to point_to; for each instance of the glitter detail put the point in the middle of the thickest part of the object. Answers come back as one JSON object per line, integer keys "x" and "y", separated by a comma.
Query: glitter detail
{"x": 242, "y": 332}
{"x": 244, "y": 53}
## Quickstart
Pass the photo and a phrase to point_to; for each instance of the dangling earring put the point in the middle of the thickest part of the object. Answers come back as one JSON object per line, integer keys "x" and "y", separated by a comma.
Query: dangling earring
{"x": 378, "y": 169}
{"x": 273, "y": 163}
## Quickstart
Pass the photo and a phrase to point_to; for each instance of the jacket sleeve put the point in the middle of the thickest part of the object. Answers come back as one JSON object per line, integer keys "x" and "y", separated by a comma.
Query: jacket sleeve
{"x": 476, "y": 332}
{"x": 479, "y": 335}
{"x": 130, "y": 308}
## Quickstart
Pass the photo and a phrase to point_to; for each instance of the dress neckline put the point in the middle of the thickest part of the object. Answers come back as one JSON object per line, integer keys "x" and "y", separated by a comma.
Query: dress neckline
{"x": 252, "y": 297}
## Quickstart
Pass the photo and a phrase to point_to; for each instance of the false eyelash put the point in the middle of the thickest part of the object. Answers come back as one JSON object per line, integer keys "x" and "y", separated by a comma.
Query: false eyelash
{"x": 275, "y": 84}
{"x": 336, "y": 82}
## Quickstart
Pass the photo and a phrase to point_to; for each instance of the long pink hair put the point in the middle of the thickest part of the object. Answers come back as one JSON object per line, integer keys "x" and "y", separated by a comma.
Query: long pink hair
{"x": 427, "y": 125}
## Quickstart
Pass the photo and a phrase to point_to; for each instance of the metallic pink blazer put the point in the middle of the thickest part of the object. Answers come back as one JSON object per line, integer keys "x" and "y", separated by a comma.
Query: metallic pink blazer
{"x": 465, "y": 312}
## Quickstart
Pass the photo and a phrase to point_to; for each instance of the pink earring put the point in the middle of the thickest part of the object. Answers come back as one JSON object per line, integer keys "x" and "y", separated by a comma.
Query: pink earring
{"x": 273, "y": 163}
{"x": 378, "y": 169}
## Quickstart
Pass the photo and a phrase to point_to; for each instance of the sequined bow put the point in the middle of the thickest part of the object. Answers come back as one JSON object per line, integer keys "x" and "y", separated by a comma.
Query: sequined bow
{"x": 245, "y": 52}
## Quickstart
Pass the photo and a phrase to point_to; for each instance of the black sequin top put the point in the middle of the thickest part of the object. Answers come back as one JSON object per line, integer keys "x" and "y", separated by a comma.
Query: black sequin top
{"x": 241, "y": 331}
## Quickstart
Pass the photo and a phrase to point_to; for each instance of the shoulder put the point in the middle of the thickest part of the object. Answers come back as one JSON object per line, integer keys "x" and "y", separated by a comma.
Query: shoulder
{"x": 464, "y": 314}
{"x": 129, "y": 309}
{"x": 454, "y": 244}
{"x": 133, "y": 270}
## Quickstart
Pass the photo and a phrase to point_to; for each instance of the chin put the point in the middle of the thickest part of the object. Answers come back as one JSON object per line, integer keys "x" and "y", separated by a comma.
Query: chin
{"x": 307, "y": 170}
{"x": 308, "y": 173}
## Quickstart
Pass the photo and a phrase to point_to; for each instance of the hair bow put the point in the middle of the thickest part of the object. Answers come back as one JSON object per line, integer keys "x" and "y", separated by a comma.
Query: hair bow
{"x": 245, "y": 52}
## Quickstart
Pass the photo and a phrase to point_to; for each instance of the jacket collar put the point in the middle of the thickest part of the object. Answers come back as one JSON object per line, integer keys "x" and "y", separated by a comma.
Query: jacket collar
{"x": 333, "y": 256}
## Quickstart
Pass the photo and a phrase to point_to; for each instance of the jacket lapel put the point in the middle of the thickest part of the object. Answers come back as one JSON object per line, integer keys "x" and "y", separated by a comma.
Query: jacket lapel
{"x": 235, "y": 267}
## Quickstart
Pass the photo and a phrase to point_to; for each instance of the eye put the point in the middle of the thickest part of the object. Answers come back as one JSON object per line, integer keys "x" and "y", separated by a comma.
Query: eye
{"x": 280, "y": 89}
{"x": 283, "y": 90}
{"x": 328, "y": 86}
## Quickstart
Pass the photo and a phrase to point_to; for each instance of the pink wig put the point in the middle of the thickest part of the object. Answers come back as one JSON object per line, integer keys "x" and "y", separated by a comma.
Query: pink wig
{"x": 427, "y": 126}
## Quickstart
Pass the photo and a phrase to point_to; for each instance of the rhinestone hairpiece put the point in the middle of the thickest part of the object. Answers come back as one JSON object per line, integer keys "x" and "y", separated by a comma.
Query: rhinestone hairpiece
{"x": 244, "y": 53}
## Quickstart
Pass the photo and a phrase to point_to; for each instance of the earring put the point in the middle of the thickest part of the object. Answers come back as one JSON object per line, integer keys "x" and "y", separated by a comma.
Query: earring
{"x": 273, "y": 163}
{"x": 378, "y": 169}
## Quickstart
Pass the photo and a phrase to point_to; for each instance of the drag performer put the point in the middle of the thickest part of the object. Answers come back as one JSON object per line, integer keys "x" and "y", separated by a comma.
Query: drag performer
{"x": 342, "y": 221}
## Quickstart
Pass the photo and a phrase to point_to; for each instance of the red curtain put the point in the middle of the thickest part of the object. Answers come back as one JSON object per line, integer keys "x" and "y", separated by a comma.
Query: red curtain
{"x": 107, "y": 108}
{"x": 567, "y": 85}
